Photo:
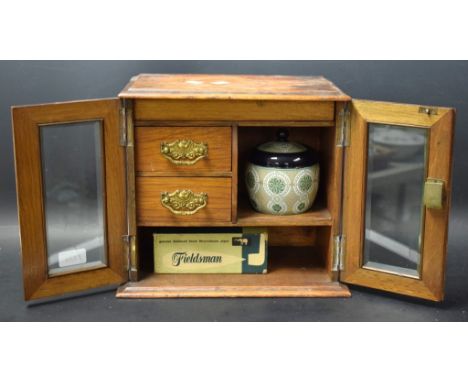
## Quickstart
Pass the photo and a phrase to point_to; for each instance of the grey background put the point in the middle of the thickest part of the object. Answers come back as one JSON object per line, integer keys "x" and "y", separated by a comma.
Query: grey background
{"x": 437, "y": 83}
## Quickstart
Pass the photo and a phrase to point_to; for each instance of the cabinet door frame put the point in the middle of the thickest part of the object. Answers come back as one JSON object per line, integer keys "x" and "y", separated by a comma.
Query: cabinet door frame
{"x": 29, "y": 187}
{"x": 440, "y": 123}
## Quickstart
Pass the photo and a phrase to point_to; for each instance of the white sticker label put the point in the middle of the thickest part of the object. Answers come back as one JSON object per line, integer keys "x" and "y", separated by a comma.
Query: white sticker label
{"x": 72, "y": 257}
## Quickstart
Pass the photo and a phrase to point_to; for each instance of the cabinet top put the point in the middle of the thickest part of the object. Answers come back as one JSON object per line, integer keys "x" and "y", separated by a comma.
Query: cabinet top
{"x": 232, "y": 87}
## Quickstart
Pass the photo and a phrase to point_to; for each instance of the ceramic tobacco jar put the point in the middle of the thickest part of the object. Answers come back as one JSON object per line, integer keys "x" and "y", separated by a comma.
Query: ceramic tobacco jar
{"x": 282, "y": 177}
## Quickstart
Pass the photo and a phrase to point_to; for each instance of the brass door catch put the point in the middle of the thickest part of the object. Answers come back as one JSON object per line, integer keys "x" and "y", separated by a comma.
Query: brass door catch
{"x": 434, "y": 193}
{"x": 428, "y": 110}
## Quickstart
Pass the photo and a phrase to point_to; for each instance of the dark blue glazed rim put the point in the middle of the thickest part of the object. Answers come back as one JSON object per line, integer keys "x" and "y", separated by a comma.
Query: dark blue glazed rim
{"x": 284, "y": 160}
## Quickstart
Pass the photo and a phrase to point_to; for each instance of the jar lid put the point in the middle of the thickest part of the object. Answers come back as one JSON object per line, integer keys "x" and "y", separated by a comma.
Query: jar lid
{"x": 283, "y": 154}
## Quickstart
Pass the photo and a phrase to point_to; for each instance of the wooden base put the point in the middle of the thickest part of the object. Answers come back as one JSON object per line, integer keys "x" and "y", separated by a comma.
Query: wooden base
{"x": 297, "y": 274}
{"x": 155, "y": 287}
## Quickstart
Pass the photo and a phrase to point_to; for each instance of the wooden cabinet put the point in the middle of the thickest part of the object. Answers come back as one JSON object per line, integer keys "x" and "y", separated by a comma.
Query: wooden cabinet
{"x": 172, "y": 152}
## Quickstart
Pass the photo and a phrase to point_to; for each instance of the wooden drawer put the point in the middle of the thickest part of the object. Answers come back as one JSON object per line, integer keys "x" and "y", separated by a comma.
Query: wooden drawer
{"x": 151, "y": 211}
{"x": 168, "y": 149}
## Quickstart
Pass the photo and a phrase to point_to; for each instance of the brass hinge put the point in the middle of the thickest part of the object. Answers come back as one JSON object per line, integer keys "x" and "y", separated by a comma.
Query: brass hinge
{"x": 343, "y": 127}
{"x": 338, "y": 253}
{"x": 130, "y": 250}
{"x": 123, "y": 124}
{"x": 126, "y": 240}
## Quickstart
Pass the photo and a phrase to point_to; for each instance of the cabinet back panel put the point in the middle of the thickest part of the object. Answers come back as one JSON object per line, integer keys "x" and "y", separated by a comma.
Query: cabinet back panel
{"x": 291, "y": 236}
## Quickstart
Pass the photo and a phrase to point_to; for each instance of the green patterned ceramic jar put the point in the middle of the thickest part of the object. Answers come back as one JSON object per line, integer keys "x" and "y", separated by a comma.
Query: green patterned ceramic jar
{"x": 282, "y": 177}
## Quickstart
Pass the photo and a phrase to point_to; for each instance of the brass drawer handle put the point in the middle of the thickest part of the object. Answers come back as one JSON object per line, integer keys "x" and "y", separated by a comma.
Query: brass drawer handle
{"x": 184, "y": 202}
{"x": 184, "y": 152}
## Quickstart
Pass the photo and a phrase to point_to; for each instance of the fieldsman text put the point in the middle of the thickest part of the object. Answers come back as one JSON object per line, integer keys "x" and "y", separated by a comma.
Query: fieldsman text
{"x": 183, "y": 257}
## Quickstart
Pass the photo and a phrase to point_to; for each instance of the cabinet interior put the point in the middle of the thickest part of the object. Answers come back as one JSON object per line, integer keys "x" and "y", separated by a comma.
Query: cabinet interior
{"x": 321, "y": 139}
{"x": 299, "y": 247}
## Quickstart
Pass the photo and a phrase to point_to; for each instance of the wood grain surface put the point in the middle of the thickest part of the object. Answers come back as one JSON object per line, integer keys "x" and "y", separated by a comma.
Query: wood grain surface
{"x": 232, "y": 87}
{"x": 235, "y": 172}
{"x": 26, "y": 121}
{"x": 150, "y": 159}
{"x": 296, "y": 236}
{"x": 297, "y": 272}
{"x": 151, "y": 212}
{"x": 232, "y": 110}
{"x": 431, "y": 284}
{"x": 316, "y": 216}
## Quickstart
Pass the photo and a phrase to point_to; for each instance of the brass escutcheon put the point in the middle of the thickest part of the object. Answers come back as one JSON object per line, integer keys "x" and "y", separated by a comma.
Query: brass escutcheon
{"x": 184, "y": 152}
{"x": 184, "y": 202}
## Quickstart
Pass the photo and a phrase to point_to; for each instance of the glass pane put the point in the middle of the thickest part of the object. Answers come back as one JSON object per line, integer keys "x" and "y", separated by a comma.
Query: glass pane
{"x": 396, "y": 171}
{"x": 73, "y": 187}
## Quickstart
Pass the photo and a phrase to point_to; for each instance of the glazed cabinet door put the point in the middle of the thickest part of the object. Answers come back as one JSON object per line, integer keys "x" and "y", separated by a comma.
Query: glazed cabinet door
{"x": 396, "y": 198}
{"x": 70, "y": 177}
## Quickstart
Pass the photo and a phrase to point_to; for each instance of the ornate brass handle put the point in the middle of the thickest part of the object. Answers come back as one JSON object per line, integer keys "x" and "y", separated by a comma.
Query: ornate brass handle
{"x": 184, "y": 152}
{"x": 184, "y": 202}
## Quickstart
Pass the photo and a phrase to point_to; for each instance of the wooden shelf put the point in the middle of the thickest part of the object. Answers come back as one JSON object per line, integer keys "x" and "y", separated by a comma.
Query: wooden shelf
{"x": 293, "y": 272}
{"x": 248, "y": 217}
{"x": 251, "y": 218}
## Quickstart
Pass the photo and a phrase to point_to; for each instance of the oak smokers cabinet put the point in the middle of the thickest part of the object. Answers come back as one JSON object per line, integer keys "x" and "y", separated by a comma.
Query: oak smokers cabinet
{"x": 95, "y": 180}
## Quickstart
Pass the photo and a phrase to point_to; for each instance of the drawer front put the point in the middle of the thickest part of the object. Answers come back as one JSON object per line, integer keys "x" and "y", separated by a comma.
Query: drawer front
{"x": 199, "y": 200}
{"x": 183, "y": 149}
{"x": 227, "y": 110}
